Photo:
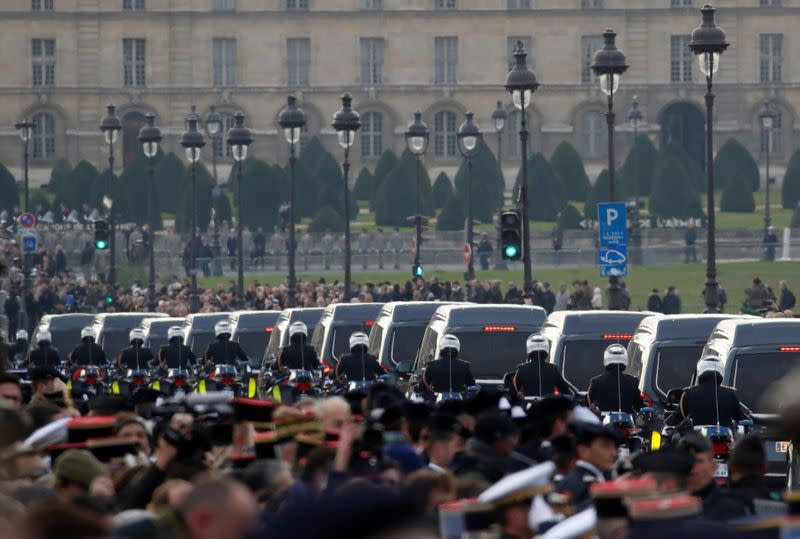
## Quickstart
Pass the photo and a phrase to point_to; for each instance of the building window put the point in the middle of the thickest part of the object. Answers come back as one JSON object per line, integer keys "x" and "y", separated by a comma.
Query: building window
{"x": 774, "y": 139}
{"x": 680, "y": 59}
{"x": 43, "y": 52}
{"x": 592, "y": 4}
{"x": 43, "y": 137}
{"x": 446, "y": 4}
{"x": 589, "y": 45}
{"x": 593, "y": 134}
{"x": 519, "y": 4}
{"x": 446, "y": 60}
{"x": 221, "y": 148}
{"x": 445, "y": 143}
{"x": 223, "y": 5}
{"x": 297, "y": 5}
{"x": 771, "y": 57}
{"x": 511, "y": 44}
{"x": 298, "y": 52}
{"x": 134, "y": 62}
{"x": 681, "y": 3}
{"x": 372, "y": 4}
{"x": 512, "y": 135}
{"x": 372, "y": 60}
{"x": 224, "y": 52}
{"x": 42, "y": 5}
{"x": 371, "y": 134}
{"x": 133, "y": 5}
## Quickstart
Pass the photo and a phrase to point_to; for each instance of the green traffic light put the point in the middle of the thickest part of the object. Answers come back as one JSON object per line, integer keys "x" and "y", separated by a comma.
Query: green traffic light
{"x": 418, "y": 271}
{"x": 101, "y": 244}
{"x": 511, "y": 251}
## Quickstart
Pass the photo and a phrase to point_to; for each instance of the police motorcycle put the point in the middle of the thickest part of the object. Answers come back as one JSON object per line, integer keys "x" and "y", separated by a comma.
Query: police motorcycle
{"x": 289, "y": 386}
{"x": 417, "y": 390}
{"x": 358, "y": 343}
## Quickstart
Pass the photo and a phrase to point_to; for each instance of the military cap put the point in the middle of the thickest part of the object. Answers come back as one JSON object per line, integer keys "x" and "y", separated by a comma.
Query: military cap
{"x": 665, "y": 508}
{"x": 520, "y": 487}
{"x": 266, "y": 446}
{"x": 81, "y": 429}
{"x": 256, "y": 411}
{"x": 586, "y": 432}
{"x": 112, "y": 449}
{"x": 575, "y": 526}
{"x": 491, "y": 427}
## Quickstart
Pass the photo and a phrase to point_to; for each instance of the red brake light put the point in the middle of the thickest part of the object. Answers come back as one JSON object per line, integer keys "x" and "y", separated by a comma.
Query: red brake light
{"x": 789, "y": 348}
{"x": 180, "y": 382}
{"x": 91, "y": 380}
{"x": 556, "y": 392}
{"x": 618, "y": 336}
{"x": 369, "y": 322}
{"x": 268, "y": 330}
{"x": 721, "y": 448}
{"x": 499, "y": 328}
{"x": 326, "y": 369}
{"x": 226, "y": 380}
{"x": 647, "y": 400}
{"x": 303, "y": 386}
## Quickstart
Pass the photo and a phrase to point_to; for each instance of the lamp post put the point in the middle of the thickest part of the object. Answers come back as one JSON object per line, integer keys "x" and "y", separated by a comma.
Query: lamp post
{"x": 111, "y": 126}
{"x": 150, "y": 136}
{"x": 417, "y": 137}
{"x": 767, "y": 117}
{"x": 521, "y": 83}
{"x": 192, "y": 140}
{"x": 499, "y": 117}
{"x": 609, "y": 65}
{"x": 292, "y": 119}
{"x": 214, "y": 129}
{"x": 346, "y": 122}
{"x": 25, "y": 128}
{"x": 239, "y": 139}
{"x": 469, "y": 137}
{"x": 708, "y": 43}
{"x": 635, "y": 118}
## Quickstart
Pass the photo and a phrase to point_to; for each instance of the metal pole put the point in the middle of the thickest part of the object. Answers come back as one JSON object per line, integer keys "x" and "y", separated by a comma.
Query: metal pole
{"x": 767, "y": 216}
{"x": 418, "y": 219}
{"x": 614, "y": 289}
{"x": 26, "y": 266}
{"x": 526, "y": 225}
{"x": 195, "y": 300}
{"x": 217, "y": 247}
{"x": 239, "y": 240}
{"x": 636, "y": 224}
{"x": 292, "y": 271}
{"x": 151, "y": 219}
{"x": 499, "y": 263}
{"x": 112, "y": 273}
{"x": 471, "y": 265}
{"x": 346, "y": 169}
{"x": 711, "y": 292}
{"x": 25, "y": 165}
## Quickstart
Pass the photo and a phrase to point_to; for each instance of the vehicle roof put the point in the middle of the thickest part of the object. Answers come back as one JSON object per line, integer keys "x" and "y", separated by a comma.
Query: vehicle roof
{"x": 587, "y": 322}
{"x": 682, "y": 326}
{"x": 69, "y": 320}
{"x": 161, "y": 321}
{"x": 353, "y": 311}
{"x": 204, "y": 320}
{"x": 758, "y": 331}
{"x": 470, "y": 314}
{"x": 251, "y": 321}
{"x": 254, "y": 315}
{"x": 301, "y": 313}
{"x": 413, "y": 311}
{"x": 103, "y": 318}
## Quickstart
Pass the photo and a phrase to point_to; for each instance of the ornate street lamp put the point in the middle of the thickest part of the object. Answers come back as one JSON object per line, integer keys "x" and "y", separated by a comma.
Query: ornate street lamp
{"x": 111, "y": 126}
{"x": 499, "y": 117}
{"x": 150, "y": 136}
{"x": 192, "y": 140}
{"x": 469, "y": 139}
{"x": 239, "y": 139}
{"x": 417, "y": 137}
{"x": 521, "y": 83}
{"x": 292, "y": 120}
{"x": 25, "y": 130}
{"x": 767, "y": 117}
{"x": 214, "y": 128}
{"x": 346, "y": 122}
{"x": 708, "y": 43}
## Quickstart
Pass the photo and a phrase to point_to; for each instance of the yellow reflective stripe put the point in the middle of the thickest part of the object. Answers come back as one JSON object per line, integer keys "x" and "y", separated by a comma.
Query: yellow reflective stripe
{"x": 202, "y": 387}
{"x": 69, "y": 384}
{"x": 276, "y": 393}
{"x": 655, "y": 441}
{"x": 115, "y": 387}
{"x": 251, "y": 388}
{"x": 157, "y": 385}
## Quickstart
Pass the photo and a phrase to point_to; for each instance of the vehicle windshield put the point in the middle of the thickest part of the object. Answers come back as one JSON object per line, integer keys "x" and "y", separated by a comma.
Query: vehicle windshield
{"x": 339, "y": 341}
{"x": 582, "y": 360}
{"x": 199, "y": 341}
{"x": 754, "y": 373}
{"x": 114, "y": 342}
{"x": 405, "y": 341}
{"x": 253, "y": 342}
{"x": 491, "y": 354}
{"x": 674, "y": 367}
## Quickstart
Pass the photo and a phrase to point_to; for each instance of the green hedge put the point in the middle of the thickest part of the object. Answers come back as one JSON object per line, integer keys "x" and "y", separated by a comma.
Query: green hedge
{"x": 673, "y": 193}
{"x": 9, "y": 195}
{"x": 442, "y": 190}
{"x": 545, "y": 196}
{"x": 737, "y": 196}
{"x": 452, "y": 215}
{"x": 639, "y": 167}
{"x": 568, "y": 166}
{"x": 485, "y": 186}
{"x": 790, "y": 192}
{"x": 362, "y": 190}
{"x": 570, "y": 218}
{"x": 326, "y": 219}
{"x": 169, "y": 175}
{"x": 734, "y": 160}
{"x": 396, "y": 199}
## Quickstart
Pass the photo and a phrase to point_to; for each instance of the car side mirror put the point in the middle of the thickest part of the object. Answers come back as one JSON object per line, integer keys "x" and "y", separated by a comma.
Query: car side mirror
{"x": 405, "y": 367}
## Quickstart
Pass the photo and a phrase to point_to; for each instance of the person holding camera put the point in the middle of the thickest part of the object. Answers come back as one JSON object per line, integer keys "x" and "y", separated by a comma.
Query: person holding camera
{"x": 224, "y": 351}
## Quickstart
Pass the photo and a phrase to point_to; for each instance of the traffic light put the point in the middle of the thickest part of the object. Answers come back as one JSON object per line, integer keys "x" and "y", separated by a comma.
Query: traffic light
{"x": 511, "y": 235}
{"x": 417, "y": 270}
{"x": 101, "y": 235}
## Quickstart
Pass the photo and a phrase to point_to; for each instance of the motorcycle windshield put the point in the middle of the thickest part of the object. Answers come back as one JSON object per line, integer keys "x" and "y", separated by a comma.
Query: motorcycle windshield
{"x": 754, "y": 373}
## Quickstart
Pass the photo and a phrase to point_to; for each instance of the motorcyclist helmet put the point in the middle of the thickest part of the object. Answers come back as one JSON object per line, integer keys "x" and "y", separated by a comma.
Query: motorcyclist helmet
{"x": 136, "y": 334}
{"x": 359, "y": 338}
{"x": 173, "y": 332}
{"x": 615, "y": 355}
{"x": 22, "y": 335}
{"x": 298, "y": 328}
{"x": 710, "y": 364}
{"x": 43, "y": 337}
{"x": 537, "y": 346}
{"x": 223, "y": 327}
{"x": 88, "y": 332}
{"x": 449, "y": 345}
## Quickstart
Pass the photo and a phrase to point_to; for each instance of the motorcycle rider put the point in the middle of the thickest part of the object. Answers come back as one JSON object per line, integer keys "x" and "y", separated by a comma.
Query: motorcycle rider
{"x": 45, "y": 355}
{"x": 298, "y": 355}
{"x": 708, "y": 402}
{"x": 88, "y": 352}
{"x": 176, "y": 355}
{"x": 358, "y": 364}
{"x": 448, "y": 373}
{"x": 136, "y": 356}
{"x": 614, "y": 390}
{"x": 537, "y": 377}
{"x": 18, "y": 350}
{"x": 224, "y": 351}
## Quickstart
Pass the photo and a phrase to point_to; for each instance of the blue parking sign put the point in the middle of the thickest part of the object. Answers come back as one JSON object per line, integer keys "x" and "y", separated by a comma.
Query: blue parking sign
{"x": 613, "y": 260}
{"x": 613, "y": 219}
{"x": 28, "y": 244}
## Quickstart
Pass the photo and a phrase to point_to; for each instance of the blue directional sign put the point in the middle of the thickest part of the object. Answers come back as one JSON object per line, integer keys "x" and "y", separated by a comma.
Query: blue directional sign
{"x": 29, "y": 244}
{"x": 613, "y": 219}
{"x": 613, "y": 260}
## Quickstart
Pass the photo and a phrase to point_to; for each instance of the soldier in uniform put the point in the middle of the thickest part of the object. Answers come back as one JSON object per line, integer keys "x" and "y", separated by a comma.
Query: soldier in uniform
{"x": 614, "y": 390}
{"x": 537, "y": 377}
{"x": 597, "y": 455}
{"x": 88, "y": 352}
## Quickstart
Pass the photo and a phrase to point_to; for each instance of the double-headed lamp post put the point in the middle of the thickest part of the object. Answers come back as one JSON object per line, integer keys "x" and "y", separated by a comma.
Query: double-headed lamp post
{"x": 346, "y": 122}
{"x": 239, "y": 139}
{"x": 708, "y": 43}
{"x": 111, "y": 126}
{"x": 609, "y": 65}
{"x": 417, "y": 137}
{"x": 767, "y": 117}
{"x": 192, "y": 140}
{"x": 635, "y": 118}
{"x": 214, "y": 129}
{"x": 469, "y": 138}
{"x": 499, "y": 117}
{"x": 292, "y": 119}
{"x": 521, "y": 83}
{"x": 25, "y": 129}
{"x": 150, "y": 137}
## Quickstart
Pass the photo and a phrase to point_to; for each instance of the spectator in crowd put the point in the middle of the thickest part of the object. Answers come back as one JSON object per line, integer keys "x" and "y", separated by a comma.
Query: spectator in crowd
{"x": 671, "y": 304}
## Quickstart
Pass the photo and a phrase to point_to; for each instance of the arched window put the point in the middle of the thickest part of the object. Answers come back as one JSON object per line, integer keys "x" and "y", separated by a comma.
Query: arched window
{"x": 221, "y": 148}
{"x": 593, "y": 134}
{"x": 444, "y": 134}
{"x": 371, "y": 134}
{"x": 44, "y": 136}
